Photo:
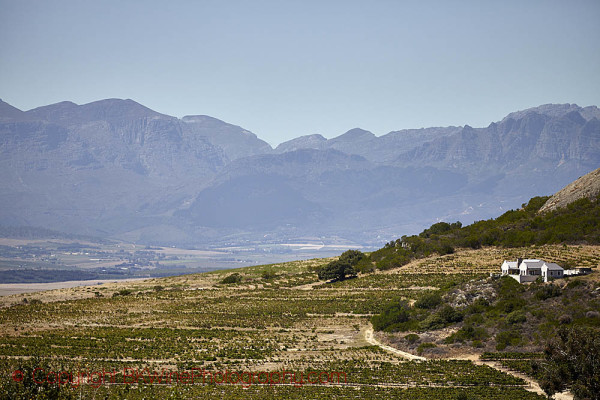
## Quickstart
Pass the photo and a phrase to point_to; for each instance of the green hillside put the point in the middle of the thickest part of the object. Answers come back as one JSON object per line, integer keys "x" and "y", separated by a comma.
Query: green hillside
{"x": 578, "y": 223}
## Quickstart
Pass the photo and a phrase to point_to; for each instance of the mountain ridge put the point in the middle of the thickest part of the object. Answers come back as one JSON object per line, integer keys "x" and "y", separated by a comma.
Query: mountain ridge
{"x": 117, "y": 168}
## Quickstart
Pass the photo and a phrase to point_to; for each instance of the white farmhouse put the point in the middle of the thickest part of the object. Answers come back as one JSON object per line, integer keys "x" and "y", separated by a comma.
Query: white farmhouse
{"x": 529, "y": 270}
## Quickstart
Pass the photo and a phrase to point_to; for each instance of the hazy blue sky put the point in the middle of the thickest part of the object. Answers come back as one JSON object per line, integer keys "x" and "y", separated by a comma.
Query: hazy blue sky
{"x": 288, "y": 68}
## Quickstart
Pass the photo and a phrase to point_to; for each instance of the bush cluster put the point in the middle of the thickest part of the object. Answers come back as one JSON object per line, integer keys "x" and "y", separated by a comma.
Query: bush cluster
{"x": 429, "y": 312}
{"x": 576, "y": 223}
{"x": 233, "y": 278}
{"x": 341, "y": 268}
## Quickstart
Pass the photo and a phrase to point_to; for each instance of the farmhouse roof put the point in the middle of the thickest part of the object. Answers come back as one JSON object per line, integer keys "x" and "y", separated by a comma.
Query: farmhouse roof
{"x": 553, "y": 266}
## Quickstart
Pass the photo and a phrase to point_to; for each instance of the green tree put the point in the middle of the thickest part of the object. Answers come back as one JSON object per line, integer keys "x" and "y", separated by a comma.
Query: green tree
{"x": 352, "y": 256}
{"x": 343, "y": 267}
{"x": 337, "y": 270}
{"x": 573, "y": 360}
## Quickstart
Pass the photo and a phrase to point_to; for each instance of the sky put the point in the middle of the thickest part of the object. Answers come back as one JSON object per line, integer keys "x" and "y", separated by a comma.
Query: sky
{"x": 284, "y": 69}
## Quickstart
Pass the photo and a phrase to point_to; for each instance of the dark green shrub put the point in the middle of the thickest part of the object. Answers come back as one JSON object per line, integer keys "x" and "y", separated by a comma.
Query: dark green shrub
{"x": 468, "y": 332}
{"x": 433, "y": 321}
{"x": 575, "y": 283}
{"x": 565, "y": 319}
{"x": 440, "y": 228}
{"x": 507, "y": 338}
{"x": 411, "y": 338}
{"x": 480, "y": 305}
{"x": 429, "y": 301}
{"x": 465, "y": 396}
{"x": 446, "y": 248}
{"x": 233, "y": 278}
{"x": 268, "y": 275}
{"x": 472, "y": 241}
{"x": 449, "y": 314}
{"x": 509, "y": 305}
{"x": 365, "y": 266}
{"x": 516, "y": 317}
{"x": 509, "y": 288}
{"x": 547, "y": 292}
{"x": 474, "y": 319}
{"x": 392, "y": 316}
{"x": 444, "y": 317}
{"x": 424, "y": 346}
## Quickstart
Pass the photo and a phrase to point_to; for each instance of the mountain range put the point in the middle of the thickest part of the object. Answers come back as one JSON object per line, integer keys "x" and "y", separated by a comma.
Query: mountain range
{"x": 115, "y": 168}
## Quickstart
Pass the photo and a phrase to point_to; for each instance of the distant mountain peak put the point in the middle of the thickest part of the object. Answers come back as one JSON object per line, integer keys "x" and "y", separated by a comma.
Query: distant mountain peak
{"x": 302, "y": 142}
{"x": 200, "y": 119}
{"x": 235, "y": 141}
{"x": 120, "y": 108}
{"x": 551, "y": 110}
{"x": 56, "y": 107}
{"x": 316, "y": 137}
{"x": 8, "y": 112}
{"x": 107, "y": 109}
{"x": 209, "y": 122}
{"x": 354, "y": 134}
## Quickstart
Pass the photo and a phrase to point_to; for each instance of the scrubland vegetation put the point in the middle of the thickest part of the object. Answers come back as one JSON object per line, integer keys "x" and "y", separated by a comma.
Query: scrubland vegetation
{"x": 579, "y": 222}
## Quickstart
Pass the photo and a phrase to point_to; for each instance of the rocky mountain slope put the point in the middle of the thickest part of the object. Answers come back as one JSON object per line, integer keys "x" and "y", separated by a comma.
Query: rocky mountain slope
{"x": 235, "y": 142}
{"x": 116, "y": 168}
{"x": 588, "y": 186}
{"x": 519, "y": 140}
